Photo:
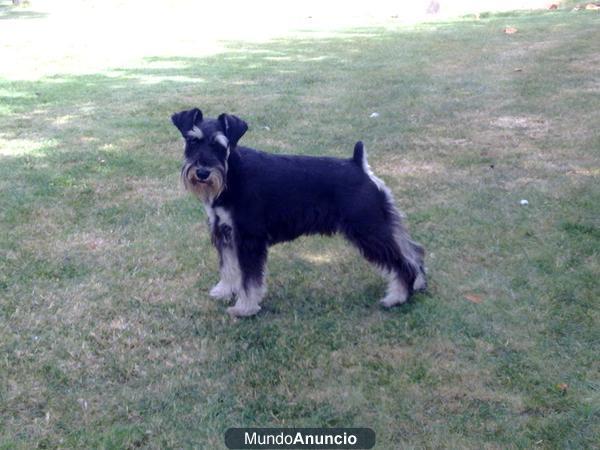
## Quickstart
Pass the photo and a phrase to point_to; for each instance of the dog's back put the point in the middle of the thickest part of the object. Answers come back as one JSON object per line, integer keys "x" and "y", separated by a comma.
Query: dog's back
{"x": 286, "y": 196}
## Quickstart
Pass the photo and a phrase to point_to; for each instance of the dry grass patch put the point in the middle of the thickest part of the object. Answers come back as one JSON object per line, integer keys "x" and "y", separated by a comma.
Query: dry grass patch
{"x": 535, "y": 127}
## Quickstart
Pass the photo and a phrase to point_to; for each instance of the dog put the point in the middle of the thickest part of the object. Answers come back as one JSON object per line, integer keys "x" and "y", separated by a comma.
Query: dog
{"x": 255, "y": 199}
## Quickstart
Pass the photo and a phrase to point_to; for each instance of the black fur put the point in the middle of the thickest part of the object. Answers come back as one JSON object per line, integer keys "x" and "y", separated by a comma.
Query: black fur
{"x": 276, "y": 198}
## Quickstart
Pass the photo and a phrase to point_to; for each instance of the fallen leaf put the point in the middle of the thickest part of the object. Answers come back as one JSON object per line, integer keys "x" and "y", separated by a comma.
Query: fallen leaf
{"x": 474, "y": 298}
{"x": 510, "y": 30}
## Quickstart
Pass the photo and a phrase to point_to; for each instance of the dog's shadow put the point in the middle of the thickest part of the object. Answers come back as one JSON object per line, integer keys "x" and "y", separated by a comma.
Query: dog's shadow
{"x": 363, "y": 301}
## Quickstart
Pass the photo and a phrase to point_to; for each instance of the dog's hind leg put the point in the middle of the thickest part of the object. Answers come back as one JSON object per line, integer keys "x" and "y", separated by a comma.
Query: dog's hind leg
{"x": 412, "y": 254}
{"x": 379, "y": 246}
{"x": 397, "y": 292}
{"x": 406, "y": 268}
{"x": 252, "y": 257}
{"x": 420, "y": 283}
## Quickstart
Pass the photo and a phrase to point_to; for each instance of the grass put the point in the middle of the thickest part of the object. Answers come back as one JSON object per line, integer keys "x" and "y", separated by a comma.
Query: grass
{"x": 108, "y": 338}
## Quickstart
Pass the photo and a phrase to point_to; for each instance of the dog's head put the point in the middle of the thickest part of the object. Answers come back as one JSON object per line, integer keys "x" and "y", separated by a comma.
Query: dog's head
{"x": 208, "y": 143}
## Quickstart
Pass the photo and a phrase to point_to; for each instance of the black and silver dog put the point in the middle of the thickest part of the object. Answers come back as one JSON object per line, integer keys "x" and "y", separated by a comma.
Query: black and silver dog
{"x": 255, "y": 199}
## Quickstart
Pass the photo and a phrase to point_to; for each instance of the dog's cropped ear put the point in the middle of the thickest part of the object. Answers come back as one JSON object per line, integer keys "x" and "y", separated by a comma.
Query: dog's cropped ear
{"x": 187, "y": 120}
{"x": 233, "y": 127}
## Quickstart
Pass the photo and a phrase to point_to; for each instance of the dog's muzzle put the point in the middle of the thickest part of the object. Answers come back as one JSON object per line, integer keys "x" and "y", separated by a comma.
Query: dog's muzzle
{"x": 205, "y": 182}
{"x": 202, "y": 174}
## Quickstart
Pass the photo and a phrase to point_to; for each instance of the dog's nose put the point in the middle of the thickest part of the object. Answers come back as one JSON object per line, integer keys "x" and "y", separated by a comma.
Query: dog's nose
{"x": 202, "y": 174}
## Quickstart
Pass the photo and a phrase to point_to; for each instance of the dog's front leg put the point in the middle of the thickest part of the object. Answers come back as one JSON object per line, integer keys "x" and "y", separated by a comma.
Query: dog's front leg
{"x": 252, "y": 256}
{"x": 231, "y": 276}
{"x": 229, "y": 267}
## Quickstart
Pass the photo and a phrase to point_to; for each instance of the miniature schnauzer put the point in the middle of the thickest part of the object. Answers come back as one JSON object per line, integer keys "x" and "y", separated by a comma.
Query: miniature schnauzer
{"x": 255, "y": 199}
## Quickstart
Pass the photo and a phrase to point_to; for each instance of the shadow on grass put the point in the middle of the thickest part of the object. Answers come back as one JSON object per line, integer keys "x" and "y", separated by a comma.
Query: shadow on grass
{"x": 10, "y": 11}
{"x": 283, "y": 89}
{"x": 75, "y": 141}
{"x": 63, "y": 134}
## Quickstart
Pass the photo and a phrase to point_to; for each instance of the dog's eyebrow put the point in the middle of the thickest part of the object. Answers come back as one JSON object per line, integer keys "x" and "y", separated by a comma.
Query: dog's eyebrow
{"x": 196, "y": 133}
{"x": 221, "y": 139}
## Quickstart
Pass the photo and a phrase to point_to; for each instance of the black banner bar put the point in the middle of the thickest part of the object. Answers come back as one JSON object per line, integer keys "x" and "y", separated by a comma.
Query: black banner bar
{"x": 299, "y": 438}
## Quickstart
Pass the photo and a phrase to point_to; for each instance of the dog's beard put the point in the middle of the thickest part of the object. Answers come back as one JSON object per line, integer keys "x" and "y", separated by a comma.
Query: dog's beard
{"x": 206, "y": 190}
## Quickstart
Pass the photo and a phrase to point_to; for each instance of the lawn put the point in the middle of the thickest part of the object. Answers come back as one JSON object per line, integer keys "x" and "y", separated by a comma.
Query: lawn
{"x": 108, "y": 338}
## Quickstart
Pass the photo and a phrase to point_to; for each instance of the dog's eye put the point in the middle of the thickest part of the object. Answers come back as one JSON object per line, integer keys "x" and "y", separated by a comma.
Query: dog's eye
{"x": 219, "y": 149}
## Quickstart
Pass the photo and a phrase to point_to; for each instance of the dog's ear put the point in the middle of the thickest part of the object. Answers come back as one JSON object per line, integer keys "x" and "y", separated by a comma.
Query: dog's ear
{"x": 233, "y": 127}
{"x": 186, "y": 120}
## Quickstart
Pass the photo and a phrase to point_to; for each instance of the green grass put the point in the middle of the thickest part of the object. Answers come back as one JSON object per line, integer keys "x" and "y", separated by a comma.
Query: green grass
{"x": 108, "y": 338}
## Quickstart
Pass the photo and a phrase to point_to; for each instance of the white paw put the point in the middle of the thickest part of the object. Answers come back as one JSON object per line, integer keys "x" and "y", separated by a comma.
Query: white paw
{"x": 392, "y": 300}
{"x": 420, "y": 282}
{"x": 243, "y": 311}
{"x": 221, "y": 290}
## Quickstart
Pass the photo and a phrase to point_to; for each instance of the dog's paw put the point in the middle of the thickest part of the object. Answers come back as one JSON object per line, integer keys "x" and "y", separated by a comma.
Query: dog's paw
{"x": 420, "y": 283}
{"x": 221, "y": 290}
{"x": 243, "y": 311}
{"x": 392, "y": 300}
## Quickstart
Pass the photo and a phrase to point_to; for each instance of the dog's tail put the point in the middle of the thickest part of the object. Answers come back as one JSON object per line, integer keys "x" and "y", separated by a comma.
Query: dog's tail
{"x": 359, "y": 154}
{"x": 360, "y": 158}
